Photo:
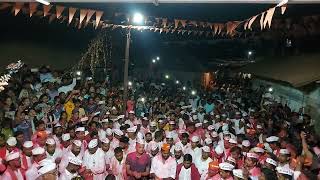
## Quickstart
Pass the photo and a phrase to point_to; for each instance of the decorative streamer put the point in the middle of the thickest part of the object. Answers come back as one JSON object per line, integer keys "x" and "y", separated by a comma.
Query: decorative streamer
{"x": 268, "y": 18}
{"x": 176, "y": 23}
{"x": 216, "y": 27}
{"x": 164, "y": 22}
{"x": 89, "y": 15}
{"x": 72, "y": 11}
{"x": 46, "y": 9}
{"x": 283, "y": 9}
{"x": 83, "y": 14}
{"x": 59, "y": 10}
{"x": 245, "y": 25}
{"x": 98, "y": 18}
{"x": 33, "y": 7}
{"x": 184, "y": 23}
{"x": 17, "y": 7}
{"x": 261, "y": 20}
{"x": 251, "y": 21}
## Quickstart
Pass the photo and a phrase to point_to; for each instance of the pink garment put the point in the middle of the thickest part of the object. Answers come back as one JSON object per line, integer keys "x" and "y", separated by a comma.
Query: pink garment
{"x": 118, "y": 168}
{"x": 255, "y": 172}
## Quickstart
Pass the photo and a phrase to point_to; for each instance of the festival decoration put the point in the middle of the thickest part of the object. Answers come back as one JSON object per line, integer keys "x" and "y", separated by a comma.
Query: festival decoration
{"x": 12, "y": 68}
{"x": 156, "y": 24}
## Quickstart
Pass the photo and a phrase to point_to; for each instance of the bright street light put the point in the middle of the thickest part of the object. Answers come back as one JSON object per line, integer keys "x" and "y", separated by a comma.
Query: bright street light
{"x": 270, "y": 89}
{"x": 43, "y": 2}
{"x": 78, "y": 73}
{"x": 177, "y": 82}
{"x": 142, "y": 99}
{"x": 130, "y": 83}
{"x": 167, "y": 76}
{"x": 158, "y": 58}
{"x": 184, "y": 88}
{"x": 193, "y": 92}
{"x": 138, "y": 18}
{"x": 153, "y": 61}
{"x": 250, "y": 53}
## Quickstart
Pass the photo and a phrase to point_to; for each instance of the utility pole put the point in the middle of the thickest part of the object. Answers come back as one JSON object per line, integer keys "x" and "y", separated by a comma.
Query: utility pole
{"x": 126, "y": 71}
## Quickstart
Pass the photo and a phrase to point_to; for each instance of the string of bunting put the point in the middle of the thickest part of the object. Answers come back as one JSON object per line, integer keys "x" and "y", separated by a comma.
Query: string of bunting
{"x": 82, "y": 17}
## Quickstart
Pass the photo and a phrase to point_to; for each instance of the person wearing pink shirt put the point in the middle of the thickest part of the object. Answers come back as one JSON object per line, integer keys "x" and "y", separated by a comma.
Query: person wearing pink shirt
{"x": 26, "y": 155}
{"x": 164, "y": 166}
{"x": 118, "y": 167}
{"x": 251, "y": 163}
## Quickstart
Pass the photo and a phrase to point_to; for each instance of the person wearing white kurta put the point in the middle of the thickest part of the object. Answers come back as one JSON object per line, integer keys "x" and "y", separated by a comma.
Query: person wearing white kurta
{"x": 57, "y": 154}
{"x": 72, "y": 169}
{"x": 185, "y": 174}
{"x": 7, "y": 176}
{"x": 38, "y": 154}
{"x": 202, "y": 162}
{"x": 66, "y": 175}
{"x": 95, "y": 162}
{"x": 75, "y": 151}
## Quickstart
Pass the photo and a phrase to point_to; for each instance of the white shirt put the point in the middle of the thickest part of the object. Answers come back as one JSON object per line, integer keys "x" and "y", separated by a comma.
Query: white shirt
{"x": 96, "y": 163}
{"x": 194, "y": 152}
{"x": 32, "y": 172}
{"x": 65, "y": 160}
{"x": 202, "y": 165}
{"x": 6, "y": 175}
{"x": 69, "y": 87}
{"x": 66, "y": 175}
{"x": 163, "y": 169}
{"x": 185, "y": 174}
{"x": 57, "y": 154}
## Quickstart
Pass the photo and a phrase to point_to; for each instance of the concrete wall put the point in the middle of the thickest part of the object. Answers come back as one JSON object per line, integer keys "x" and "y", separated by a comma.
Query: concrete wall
{"x": 295, "y": 98}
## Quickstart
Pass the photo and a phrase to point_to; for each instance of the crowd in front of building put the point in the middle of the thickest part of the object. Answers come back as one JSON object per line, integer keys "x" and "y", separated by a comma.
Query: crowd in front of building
{"x": 58, "y": 127}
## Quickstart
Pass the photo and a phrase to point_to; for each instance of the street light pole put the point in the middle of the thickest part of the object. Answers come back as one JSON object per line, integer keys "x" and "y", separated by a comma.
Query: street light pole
{"x": 126, "y": 71}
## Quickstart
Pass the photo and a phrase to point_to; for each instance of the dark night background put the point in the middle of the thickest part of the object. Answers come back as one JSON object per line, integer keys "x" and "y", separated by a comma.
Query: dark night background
{"x": 36, "y": 42}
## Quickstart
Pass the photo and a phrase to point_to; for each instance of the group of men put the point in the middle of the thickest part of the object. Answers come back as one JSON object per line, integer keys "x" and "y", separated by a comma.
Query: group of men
{"x": 80, "y": 132}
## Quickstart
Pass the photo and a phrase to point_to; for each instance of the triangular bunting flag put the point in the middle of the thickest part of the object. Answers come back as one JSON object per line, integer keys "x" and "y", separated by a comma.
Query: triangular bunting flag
{"x": 261, "y": 20}
{"x": 183, "y": 22}
{"x": 176, "y": 23}
{"x": 98, "y": 18}
{"x": 268, "y": 18}
{"x": 4, "y": 6}
{"x": 215, "y": 27}
{"x": 17, "y": 7}
{"x": 89, "y": 15}
{"x": 220, "y": 28}
{"x": 32, "y": 7}
{"x": 46, "y": 9}
{"x": 251, "y": 21}
{"x": 72, "y": 11}
{"x": 283, "y": 9}
{"x": 83, "y": 14}
{"x": 59, "y": 10}
{"x": 164, "y": 22}
{"x": 245, "y": 25}
{"x": 51, "y": 18}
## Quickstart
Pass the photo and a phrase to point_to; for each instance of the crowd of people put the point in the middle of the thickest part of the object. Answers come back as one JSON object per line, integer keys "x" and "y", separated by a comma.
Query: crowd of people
{"x": 58, "y": 127}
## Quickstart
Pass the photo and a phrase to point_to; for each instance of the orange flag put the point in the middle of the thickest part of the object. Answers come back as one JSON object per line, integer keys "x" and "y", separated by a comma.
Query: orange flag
{"x": 46, "y": 9}
{"x": 33, "y": 7}
{"x": 59, "y": 10}
{"x": 261, "y": 20}
{"x": 98, "y": 18}
{"x": 251, "y": 21}
{"x": 89, "y": 15}
{"x": 72, "y": 11}
{"x": 83, "y": 14}
{"x": 17, "y": 7}
{"x": 268, "y": 18}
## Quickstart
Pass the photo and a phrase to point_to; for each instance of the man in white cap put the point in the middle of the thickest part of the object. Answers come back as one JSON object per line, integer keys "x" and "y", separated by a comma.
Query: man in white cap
{"x": 145, "y": 126}
{"x": 138, "y": 163}
{"x": 75, "y": 151}
{"x": 114, "y": 143}
{"x": 53, "y": 152}
{"x": 93, "y": 160}
{"x": 102, "y": 131}
{"x": 202, "y": 162}
{"x": 71, "y": 170}
{"x": 284, "y": 158}
{"x": 184, "y": 142}
{"x": 65, "y": 143}
{"x": 194, "y": 150}
{"x": 108, "y": 153}
{"x": 132, "y": 135}
{"x": 12, "y": 145}
{"x": 80, "y": 135}
{"x": 226, "y": 171}
{"x": 238, "y": 124}
{"x": 251, "y": 163}
{"x": 26, "y": 154}
{"x": 13, "y": 171}
{"x": 38, "y": 154}
{"x": 178, "y": 154}
{"x": 274, "y": 144}
{"x": 47, "y": 170}
{"x": 57, "y": 133}
{"x": 154, "y": 149}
